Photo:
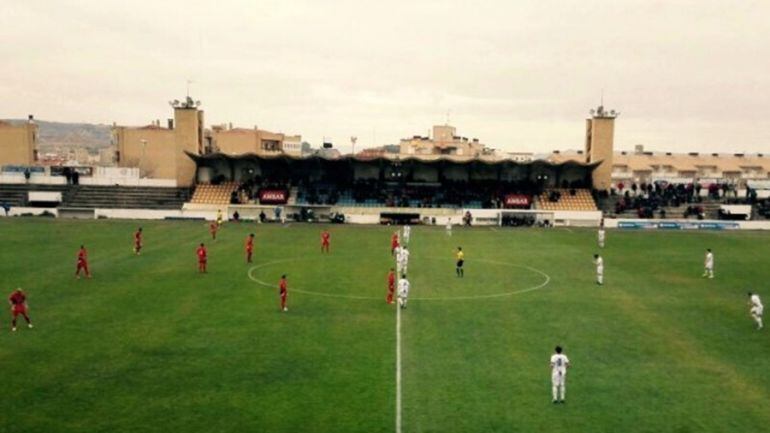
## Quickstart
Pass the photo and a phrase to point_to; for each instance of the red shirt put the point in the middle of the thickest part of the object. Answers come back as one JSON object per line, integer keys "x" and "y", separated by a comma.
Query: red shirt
{"x": 394, "y": 240}
{"x": 201, "y": 253}
{"x": 325, "y": 237}
{"x": 391, "y": 279}
{"x": 213, "y": 227}
{"x": 249, "y": 243}
{"x": 82, "y": 255}
{"x": 283, "y": 286}
{"x": 138, "y": 237}
{"x": 17, "y": 298}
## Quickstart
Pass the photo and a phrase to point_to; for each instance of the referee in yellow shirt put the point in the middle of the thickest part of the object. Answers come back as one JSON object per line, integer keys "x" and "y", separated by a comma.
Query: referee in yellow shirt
{"x": 460, "y": 261}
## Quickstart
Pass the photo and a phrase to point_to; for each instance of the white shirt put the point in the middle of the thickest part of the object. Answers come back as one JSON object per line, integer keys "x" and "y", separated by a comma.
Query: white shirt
{"x": 559, "y": 363}
{"x": 403, "y": 287}
{"x": 407, "y": 229}
{"x": 403, "y": 255}
{"x": 599, "y": 263}
{"x": 449, "y": 225}
{"x": 397, "y": 251}
{"x": 709, "y": 260}
{"x": 601, "y": 234}
{"x": 756, "y": 302}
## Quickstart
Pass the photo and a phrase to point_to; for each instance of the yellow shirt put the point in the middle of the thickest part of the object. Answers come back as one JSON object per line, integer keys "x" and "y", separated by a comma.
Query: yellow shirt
{"x": 460, "y": 255}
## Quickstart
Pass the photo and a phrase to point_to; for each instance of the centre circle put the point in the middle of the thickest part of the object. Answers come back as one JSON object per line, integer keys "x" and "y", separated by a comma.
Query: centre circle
{"x": 546, "y": 280}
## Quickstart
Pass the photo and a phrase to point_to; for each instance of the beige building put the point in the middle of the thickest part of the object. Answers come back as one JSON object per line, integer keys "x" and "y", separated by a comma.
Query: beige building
{"x": 640, "y": 166}
{"x": 444, "y": 141}
{"x": 18, "y": 143}
{"x": 239, "y": 141}
{"x": 159, "y": 152}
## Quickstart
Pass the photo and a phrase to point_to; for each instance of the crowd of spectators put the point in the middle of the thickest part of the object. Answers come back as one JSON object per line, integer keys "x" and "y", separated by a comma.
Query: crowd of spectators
{"x": 647, "y": 199}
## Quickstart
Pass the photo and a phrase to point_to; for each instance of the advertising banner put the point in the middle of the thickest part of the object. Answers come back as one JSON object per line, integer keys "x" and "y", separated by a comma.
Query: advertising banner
{"x": 273, "y": 196}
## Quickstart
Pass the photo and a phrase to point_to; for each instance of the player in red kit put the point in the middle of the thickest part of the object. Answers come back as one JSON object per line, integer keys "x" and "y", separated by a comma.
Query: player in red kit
{"x": 82, "y": 263}
{"x": 393, "y": 243}
{"x": 138, "y": 241}
{"x": 202, "y": 258}
{"x": 283, "y": 287}
{"x": 391, "y": 285}
{"x": 249, "y": 247}
{"x": 18, "y": 301}
{"x": 213, "y": 227}
{"x": 325, "y": 236}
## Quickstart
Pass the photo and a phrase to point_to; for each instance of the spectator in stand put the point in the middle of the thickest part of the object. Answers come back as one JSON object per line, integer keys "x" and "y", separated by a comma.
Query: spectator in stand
{"x": 6, "y": 207}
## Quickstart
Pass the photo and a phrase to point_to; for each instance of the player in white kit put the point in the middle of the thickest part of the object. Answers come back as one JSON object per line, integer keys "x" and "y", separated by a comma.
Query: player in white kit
{"x": 559, "y": 365}
{"x": 403, "y": 291}
{"x": 449, "y": 227}
{"x": 402, "y": 260}
{"x": 405, "y": 233}
{"x": 756, "y": 309}
{"x": 708, "y": 264}
{"x": 602, "y": 235}
{"x": 599, "y": 262}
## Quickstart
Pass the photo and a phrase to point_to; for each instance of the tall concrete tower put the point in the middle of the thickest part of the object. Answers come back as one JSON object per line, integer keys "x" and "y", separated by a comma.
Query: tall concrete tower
{"x": 188, "y": 136}
{"x": 600, "y": 144}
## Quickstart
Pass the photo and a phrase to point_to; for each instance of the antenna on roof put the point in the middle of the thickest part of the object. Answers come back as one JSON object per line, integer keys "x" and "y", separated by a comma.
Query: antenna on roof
{"x": 601, "y": 100}
{"x": 189, "y": 81}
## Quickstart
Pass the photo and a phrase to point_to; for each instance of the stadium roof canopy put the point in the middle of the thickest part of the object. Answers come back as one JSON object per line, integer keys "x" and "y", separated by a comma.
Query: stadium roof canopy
{"x": 423, "y": 159}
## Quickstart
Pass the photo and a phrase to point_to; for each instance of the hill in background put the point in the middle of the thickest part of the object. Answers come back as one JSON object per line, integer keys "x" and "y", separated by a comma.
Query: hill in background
{"x": 60, "y": 134}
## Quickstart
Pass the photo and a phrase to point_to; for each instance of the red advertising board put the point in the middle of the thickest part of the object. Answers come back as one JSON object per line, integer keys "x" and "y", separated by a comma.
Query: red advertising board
{"x": 273, "y": 196}
{"x": 517, "y": 200}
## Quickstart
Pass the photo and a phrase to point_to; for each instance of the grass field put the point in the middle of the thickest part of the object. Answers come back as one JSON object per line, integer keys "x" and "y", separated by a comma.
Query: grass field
{"x": 150, "y": 345}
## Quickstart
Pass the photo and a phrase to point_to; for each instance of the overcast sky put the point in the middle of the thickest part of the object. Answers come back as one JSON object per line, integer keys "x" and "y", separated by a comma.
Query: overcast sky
{"x": 519, "y": 75}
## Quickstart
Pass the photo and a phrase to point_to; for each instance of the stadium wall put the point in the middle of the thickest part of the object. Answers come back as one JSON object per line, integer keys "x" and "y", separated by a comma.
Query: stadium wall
{"x": 152, "y": 214}
{"x": 683, "y": 224}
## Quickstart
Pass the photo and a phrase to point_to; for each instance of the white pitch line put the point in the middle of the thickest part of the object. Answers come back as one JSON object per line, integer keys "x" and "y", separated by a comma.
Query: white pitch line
{"x": 547, "y": 280}
{"x": 398, "y": 369}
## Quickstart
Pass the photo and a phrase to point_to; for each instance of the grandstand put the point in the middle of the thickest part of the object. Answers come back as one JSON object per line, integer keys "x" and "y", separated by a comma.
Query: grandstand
{"x": 92, "y": 196}
{"x": 567, "y": 200}
{"x": 217, "y": 194}
{"x": 380, "y": 182}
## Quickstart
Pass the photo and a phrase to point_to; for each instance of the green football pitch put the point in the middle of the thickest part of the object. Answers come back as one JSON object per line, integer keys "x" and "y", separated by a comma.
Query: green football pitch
{"x": 150, "y": 345}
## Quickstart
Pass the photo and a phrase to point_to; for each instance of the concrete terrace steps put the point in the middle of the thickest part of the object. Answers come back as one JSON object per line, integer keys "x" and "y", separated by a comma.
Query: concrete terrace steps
{"x": 111, "y": 197}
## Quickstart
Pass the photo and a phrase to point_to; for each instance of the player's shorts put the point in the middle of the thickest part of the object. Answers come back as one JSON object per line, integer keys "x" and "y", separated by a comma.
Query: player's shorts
{"x": 757, "y": 311}
{"x": 709, "y": 267}
{"x": 600, "y": 270}
{"x": 250, "y": 250}
{"x": 460, "y": 263}
{"x": 82, "y": 265}
{"x": 202, "y": 262}
{"x": 19, "y": 309}
{"x": 558, "y": 379}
